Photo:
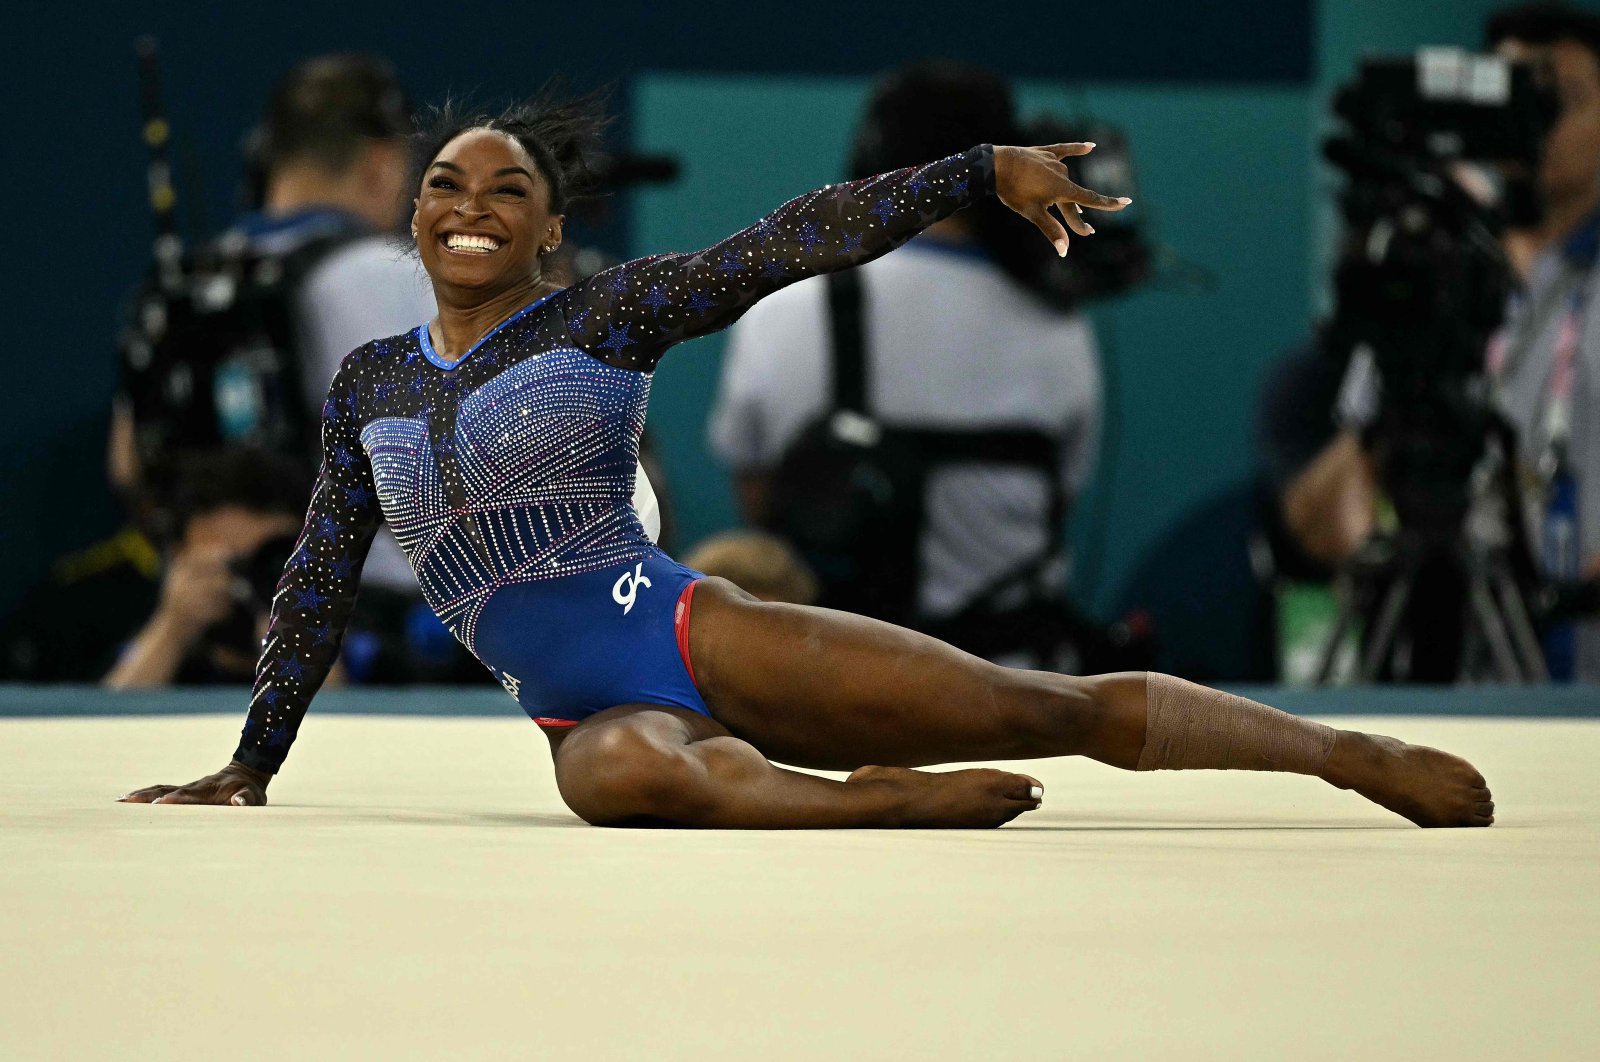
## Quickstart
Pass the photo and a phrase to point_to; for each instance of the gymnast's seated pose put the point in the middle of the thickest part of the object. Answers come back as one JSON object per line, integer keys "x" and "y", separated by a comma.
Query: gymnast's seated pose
{"x": 499, "y": 441}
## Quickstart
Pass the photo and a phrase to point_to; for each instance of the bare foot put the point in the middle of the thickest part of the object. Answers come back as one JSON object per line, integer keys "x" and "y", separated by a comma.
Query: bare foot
{"x": 1429, "y": 787}
{"x": 978, "y": 798}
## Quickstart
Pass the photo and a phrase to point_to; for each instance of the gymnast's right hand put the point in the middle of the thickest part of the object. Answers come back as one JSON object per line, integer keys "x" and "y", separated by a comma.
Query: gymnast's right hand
{"x": 235, "y": 784}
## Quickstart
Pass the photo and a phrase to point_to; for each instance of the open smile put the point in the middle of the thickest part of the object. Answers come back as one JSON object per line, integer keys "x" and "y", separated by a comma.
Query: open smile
{"x": 470, "y": 243}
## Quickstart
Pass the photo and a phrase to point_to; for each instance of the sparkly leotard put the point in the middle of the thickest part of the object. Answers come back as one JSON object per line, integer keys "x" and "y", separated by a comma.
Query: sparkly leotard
{"x": 507, "y": 474}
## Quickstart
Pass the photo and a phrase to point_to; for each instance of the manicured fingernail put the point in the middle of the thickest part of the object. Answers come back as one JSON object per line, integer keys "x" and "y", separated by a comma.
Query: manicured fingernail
{"x": 1061, "y": 248}
{"x": 1089, "y": 228}
{"x": 1124, "y": 200}
{"x": 1035, "y": 793}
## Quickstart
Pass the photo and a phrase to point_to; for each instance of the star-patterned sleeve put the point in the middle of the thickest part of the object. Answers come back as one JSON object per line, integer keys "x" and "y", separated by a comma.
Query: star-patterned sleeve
{"x": 629, "y": 315}
{"x": 314, "y": 597}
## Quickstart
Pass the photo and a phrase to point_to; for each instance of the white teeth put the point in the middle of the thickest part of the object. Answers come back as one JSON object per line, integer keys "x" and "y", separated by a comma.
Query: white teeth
{"x": 480, "y": 244}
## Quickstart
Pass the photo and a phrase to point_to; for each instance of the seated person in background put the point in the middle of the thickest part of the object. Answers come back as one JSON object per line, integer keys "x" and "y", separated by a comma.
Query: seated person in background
{"x": 762, "y": 565}
{"x": 952, "y": 342}
{"x": 191, "y": 613}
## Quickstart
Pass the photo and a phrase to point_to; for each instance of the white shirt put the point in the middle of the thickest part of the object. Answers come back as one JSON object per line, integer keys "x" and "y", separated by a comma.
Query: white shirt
{"x": 952, "y": 343}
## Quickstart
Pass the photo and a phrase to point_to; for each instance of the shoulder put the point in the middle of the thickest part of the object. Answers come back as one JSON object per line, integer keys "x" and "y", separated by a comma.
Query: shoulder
{"x": 366, "y": 259}
{"x": 370, "y": 286}
{"x": 373, "y": 355}
{"x": 371, "y": 267}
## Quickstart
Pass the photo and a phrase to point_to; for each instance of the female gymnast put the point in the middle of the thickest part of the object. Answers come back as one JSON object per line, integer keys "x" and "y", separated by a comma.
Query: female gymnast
{"x": 500, "y": 440}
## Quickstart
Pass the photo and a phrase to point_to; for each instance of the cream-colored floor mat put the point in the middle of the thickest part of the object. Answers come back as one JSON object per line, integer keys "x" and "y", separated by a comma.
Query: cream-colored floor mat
{"x": 417, "y": 890}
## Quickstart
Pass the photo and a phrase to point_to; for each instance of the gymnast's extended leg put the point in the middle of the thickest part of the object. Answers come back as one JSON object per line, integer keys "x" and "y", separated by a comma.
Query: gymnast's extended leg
{"x": 826, "y": 689}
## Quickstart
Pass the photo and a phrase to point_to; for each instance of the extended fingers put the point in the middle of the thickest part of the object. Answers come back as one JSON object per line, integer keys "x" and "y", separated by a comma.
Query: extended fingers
{"x": 1047, "y": 224}
{"x": 1077, "y": 193}
{"x": 1062, "y": 151}
{"x": 1072, "y": 214}
{"x": 147, "y": 795}
{"x": 183, "y": 795}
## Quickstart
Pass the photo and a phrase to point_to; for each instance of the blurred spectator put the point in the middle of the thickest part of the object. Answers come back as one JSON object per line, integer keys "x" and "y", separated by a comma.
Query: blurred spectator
{"x": 190, "y": 613}
{"x": 762, "y": 565}
{"x": 951, "y": 344}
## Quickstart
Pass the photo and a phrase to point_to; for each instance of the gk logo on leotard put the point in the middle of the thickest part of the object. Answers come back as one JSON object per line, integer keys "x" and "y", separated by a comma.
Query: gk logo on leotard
{"x": 627, "y": 587}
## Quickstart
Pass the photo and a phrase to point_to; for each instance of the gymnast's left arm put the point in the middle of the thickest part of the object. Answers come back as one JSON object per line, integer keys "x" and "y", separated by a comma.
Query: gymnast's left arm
{"x": 631, "y": 314}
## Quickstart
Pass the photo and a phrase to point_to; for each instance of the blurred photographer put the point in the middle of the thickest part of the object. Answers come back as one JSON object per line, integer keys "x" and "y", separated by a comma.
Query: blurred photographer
{"x": 1321, "y": 415}
{"x": 234, "y": 517}
{"x": 190, "y": 611}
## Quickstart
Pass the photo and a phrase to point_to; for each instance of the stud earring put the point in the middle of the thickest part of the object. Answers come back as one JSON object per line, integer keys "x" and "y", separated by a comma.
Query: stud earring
{"x": 413, "y": 232}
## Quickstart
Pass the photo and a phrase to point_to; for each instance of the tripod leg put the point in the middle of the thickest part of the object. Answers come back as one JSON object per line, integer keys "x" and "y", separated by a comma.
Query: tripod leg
{"x": 1348, "y": 606}
{"x": 1515, "y": 610}
{"x": 1383, "y": 632}
{"x": 1507, "y": 667}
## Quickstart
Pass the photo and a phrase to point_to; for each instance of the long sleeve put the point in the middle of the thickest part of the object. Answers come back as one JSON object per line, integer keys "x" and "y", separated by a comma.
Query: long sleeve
{"x": 318, "y": 588}
{"x": 630, "y": 315}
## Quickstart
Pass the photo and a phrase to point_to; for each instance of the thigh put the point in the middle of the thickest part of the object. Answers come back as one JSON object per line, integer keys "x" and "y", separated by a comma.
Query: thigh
{"x": 582, "y": 745}
{"x": 818, "y": 688}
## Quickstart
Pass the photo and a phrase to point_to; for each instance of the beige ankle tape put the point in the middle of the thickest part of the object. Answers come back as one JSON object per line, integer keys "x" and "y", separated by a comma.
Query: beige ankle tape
{"x": 1190, "y": 727}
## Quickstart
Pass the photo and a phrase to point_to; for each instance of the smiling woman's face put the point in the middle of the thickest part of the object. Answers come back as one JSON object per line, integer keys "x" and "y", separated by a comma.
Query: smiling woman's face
{"x": 483, "y": 215}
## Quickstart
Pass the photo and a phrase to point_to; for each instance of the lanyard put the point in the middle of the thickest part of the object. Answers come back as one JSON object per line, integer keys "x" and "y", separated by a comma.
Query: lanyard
{"x": 1558, "y": 389}
{"x": 1502, "y": 356}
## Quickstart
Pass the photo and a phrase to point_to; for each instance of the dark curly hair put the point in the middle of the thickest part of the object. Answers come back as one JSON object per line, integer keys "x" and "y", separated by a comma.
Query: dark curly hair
{"x": 561, "y": 133}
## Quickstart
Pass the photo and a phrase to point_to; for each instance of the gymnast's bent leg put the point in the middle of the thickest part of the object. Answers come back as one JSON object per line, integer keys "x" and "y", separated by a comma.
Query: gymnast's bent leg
{"x": 643, "y": 765}
{"x": 817, "y": 688}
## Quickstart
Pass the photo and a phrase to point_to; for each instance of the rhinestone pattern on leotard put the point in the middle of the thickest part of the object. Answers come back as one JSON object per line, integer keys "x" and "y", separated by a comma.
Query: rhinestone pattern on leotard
{"x": 515, "y": 462}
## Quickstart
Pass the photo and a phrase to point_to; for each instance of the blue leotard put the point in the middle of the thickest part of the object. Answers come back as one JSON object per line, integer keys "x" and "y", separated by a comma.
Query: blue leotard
{"x": 507, "y": 474}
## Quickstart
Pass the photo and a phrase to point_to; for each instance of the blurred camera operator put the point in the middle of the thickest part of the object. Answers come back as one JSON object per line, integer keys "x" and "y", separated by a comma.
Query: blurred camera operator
{"x": 1544, "y": 364}
{"x": 329, "y": 167}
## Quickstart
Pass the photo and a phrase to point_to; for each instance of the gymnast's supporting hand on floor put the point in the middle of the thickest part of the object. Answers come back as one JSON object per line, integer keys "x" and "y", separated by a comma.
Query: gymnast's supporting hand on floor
{"x": 499, "y": 442}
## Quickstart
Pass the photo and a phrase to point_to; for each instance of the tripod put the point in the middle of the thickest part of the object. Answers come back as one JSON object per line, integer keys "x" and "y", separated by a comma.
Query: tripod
{"x": 1498, "y": 638}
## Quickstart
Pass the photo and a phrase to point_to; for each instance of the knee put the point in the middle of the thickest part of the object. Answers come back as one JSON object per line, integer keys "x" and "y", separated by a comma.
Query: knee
{"x": 1048, "y": 714}
{"x": 622, "y": 776}
{"x": 1063, "y": 714}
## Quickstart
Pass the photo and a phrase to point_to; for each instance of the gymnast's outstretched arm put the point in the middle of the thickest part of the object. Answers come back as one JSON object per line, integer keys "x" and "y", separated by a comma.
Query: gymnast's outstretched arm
{"x": 629, "y": 315}
{"x": 309, "y": 610}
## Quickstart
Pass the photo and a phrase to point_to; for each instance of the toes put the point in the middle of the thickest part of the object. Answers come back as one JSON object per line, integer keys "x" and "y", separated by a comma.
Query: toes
{"x": 1024, "y": 787}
